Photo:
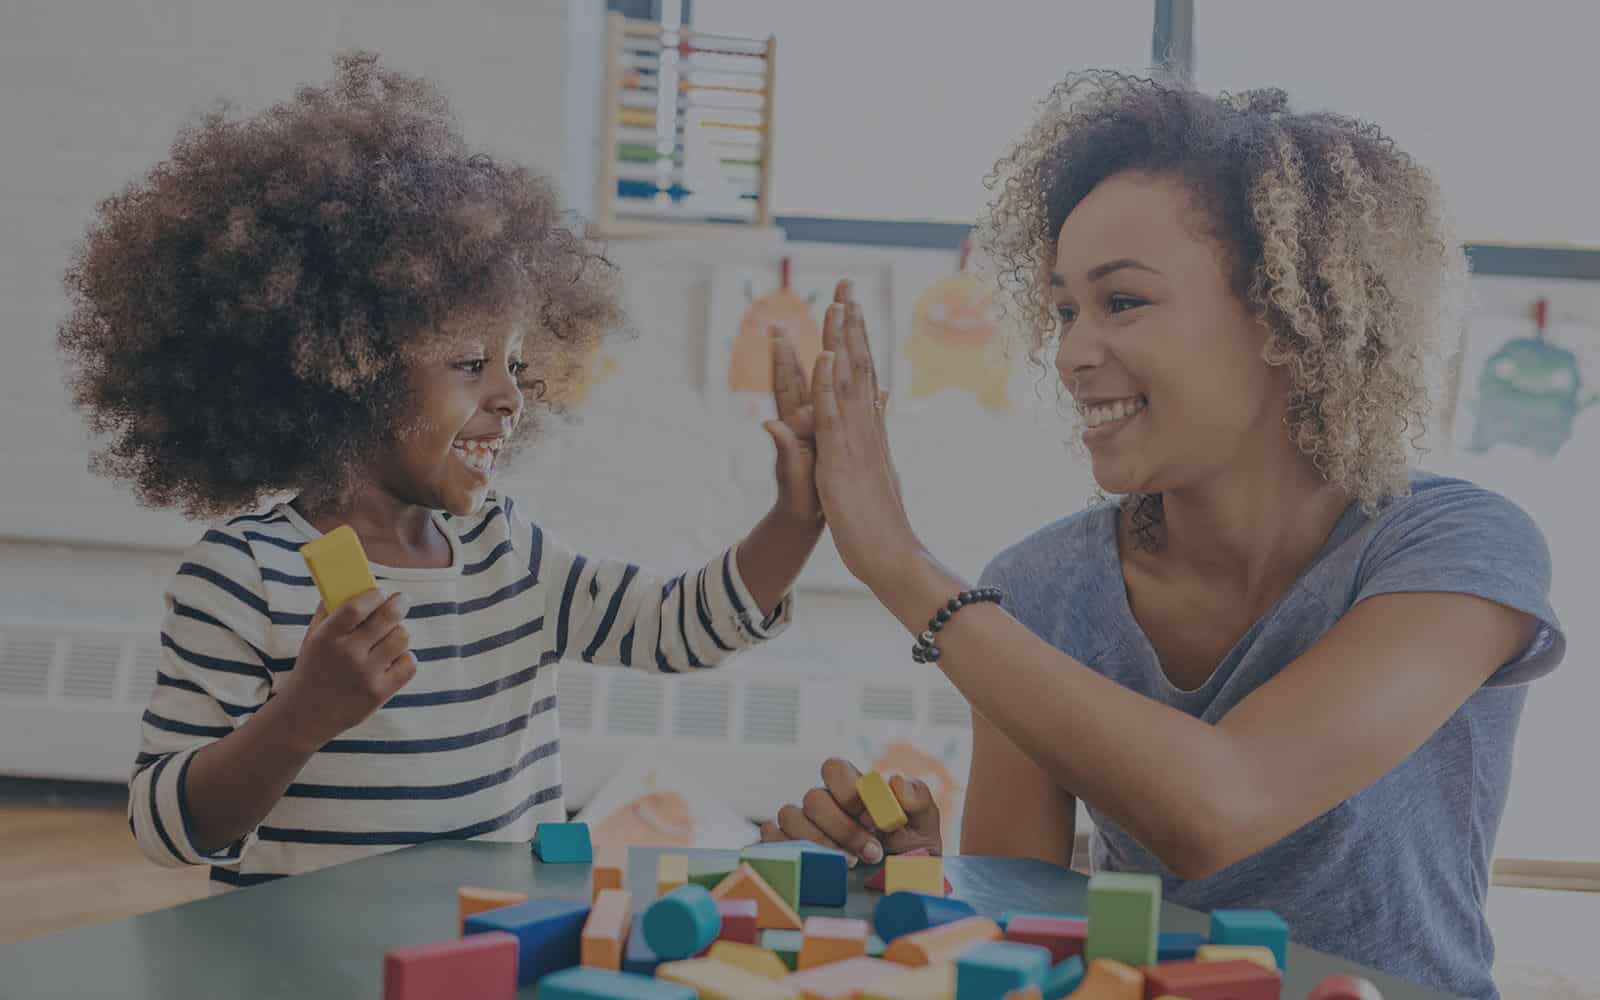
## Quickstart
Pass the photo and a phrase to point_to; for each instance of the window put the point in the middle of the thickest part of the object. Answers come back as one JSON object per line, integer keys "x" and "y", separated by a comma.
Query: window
{"x": 898, "y": 109}
{"x": 1491, "y": 97}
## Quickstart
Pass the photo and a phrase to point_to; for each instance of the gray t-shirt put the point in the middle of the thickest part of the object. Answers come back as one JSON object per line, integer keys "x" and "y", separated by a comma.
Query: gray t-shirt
{"x": 1395, "y": 877}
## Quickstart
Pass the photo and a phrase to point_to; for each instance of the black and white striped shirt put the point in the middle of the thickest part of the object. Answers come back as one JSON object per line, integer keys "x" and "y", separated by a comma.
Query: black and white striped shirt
{"x": 469, "y": 749}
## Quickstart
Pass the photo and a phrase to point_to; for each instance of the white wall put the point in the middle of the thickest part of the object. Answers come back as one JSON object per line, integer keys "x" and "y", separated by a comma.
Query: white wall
{"x": 92, "y": 94}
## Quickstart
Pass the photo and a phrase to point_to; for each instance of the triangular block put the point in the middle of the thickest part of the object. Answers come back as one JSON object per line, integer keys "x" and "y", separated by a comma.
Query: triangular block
{"x": 772, "y": 913}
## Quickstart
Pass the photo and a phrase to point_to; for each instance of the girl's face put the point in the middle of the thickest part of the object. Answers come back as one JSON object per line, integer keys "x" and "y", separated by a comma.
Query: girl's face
{"x": 469, "y": 400}
{"x": 1162, "y": 359}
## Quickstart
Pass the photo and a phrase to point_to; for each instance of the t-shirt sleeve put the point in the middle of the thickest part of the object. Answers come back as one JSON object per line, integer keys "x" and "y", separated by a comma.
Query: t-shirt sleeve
{"x": 213, "y": 677}
{"x": 1460, "y": 538}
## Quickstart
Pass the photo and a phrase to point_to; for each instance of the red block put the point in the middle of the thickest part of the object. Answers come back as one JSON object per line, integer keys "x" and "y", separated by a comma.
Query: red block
{"x": 482, "y": 966}
{"x": 738, "y": 921}
{"x": 1235, "y": 980}
{"x": 1345, "y": 988}
{"x": 1064, "y": 936}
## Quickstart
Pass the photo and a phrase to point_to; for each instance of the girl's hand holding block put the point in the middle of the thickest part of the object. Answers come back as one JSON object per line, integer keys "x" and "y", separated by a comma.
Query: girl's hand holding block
{"x": 339, "y": 565}
{"x": 866, "y": 817}
{"x": 351, "y": 662}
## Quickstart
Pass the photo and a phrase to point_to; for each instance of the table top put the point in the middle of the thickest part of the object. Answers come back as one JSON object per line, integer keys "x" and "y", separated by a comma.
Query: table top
{"x": 323, "y": 934}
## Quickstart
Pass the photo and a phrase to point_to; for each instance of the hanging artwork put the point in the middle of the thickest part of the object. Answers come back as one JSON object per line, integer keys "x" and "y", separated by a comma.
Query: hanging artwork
{"x": 1525, "y": 385}
{"x": 749, "y": 303}
{"x": 956, "y": 341}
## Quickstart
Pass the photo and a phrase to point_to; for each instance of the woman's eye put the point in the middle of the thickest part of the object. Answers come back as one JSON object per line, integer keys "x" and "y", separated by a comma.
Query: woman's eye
{"x": 1122, "y": 303}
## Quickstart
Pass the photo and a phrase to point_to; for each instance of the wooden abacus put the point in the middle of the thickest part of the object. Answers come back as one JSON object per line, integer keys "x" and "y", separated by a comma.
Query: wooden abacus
{"x": 686, "y": 137}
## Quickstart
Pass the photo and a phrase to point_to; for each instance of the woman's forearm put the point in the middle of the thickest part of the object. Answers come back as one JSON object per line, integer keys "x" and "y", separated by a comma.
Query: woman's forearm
{"x": 1154, "y": 770}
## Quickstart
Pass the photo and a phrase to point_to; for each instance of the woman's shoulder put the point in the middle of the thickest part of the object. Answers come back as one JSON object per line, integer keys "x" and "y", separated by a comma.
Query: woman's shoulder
{"x": 1439, "y": 507}
{"x": 1060, "y": 551}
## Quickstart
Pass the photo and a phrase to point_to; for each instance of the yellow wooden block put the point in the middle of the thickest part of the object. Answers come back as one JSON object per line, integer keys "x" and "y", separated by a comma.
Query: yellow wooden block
{"x": 672, "y": 872}
{"x": 750, "y": 958}
{"x": 845, "y": 980}
{"x": 471, "y": 900}
{"x": 903, "y": 873}
{"x": 878, "y": 797}
{"x": 339, "y": 566}
{"x": 1108, "y": 979}
{"x": 941, "y": 944}
{"x": 715, "y": 980}
{"x": 1256, "y": 953}
{"x": 930, "y": 982}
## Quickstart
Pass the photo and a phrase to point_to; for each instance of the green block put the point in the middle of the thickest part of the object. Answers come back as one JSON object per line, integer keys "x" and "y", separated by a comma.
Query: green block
{"x": 1124, "y": 918}
{"x": 786, "y": 944}
{"x": 779, "y": 866}
{"x": 709, "y": 872}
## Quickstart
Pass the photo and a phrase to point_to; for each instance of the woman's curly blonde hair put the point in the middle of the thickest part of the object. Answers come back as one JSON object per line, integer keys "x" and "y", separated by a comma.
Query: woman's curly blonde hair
{"x": 1337, "y": 239}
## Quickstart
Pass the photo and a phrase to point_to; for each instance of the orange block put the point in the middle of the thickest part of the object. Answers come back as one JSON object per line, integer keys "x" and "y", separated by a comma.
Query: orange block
{"x": 605, "y": 877}
{"x": 605, "y": 933}
{"x": 832, "y": 939}
{"x": 772, "y": 913}
{"x": 471, "y": 899}
{"x": 845, "y": 980}
{"x": 943, "y": 943}
{"x": 1108, "y": 979}
{"x": 1026, "y": 993}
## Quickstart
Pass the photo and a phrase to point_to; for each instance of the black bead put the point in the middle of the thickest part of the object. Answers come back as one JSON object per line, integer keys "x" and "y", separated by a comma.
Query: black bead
{"x": 935, "y": 625}
{"x": 954, "y": 605}
{"x": 943, "y": 615}
{"x": 932, "y": 654}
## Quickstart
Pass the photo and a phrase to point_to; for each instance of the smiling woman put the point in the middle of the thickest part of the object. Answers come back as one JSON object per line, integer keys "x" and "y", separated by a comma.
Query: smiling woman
{"x": 1241, "y": 301}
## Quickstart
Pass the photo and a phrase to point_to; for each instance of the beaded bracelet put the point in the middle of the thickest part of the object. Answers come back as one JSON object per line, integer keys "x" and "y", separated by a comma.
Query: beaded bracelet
{"x": 925, "y": 651}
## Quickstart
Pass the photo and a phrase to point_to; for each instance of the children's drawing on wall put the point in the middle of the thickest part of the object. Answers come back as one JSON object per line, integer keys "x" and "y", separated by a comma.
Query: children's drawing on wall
{"x": 956, "y": 341}
{"x": 1525, "y": 384}
{"x": 748, "y": 304}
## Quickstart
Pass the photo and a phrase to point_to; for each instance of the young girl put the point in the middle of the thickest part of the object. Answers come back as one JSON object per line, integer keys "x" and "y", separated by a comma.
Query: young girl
{"x": 1286, "y": 670}
{"x": 339, "y": 301}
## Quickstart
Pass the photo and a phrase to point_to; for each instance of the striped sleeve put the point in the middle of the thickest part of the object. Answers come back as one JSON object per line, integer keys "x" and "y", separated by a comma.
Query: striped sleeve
{"x": 614, "y": 613}
{"x": 214, "y": 675}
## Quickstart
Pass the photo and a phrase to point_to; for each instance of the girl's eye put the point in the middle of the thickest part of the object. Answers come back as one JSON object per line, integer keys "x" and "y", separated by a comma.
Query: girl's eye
{"x": 1067, "y": 314}
{"x": 473, "y": 367}
{"x": 519, "y": 368}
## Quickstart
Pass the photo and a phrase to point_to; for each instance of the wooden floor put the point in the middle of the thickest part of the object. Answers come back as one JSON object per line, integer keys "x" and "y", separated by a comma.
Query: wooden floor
{"x": 66, "y": 865}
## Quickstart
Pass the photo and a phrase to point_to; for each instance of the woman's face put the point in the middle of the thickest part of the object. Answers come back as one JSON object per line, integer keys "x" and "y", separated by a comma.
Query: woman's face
{"x": 1162, "y": 359}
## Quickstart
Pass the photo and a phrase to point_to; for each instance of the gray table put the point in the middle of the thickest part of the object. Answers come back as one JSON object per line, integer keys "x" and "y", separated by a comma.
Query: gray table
{"x": 324, "y": 934}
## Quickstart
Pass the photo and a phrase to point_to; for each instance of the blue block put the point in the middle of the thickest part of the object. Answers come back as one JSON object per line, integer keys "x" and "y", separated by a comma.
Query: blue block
{"x": 683, "y": 923}
{"x": 638, "y": 957}
{"x": 824, "y": 876}
{"x": 1178, "y": 946}
{"x": 1005, "y": 918}
{"x": 1063, "y": 979}
{"x": 563, "y": 843}
{"x": 603, "y": 984}
{"x": 1259, "y": 927}
{"x": 901, "y": 913}
{"x": 549, "y": 934}
{"x": 994, "y": 968}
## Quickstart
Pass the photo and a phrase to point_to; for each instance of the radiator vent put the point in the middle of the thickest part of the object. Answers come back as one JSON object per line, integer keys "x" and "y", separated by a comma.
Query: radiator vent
{"x": 26, "y": 658}
{"x": 701, "y": 710}
{"x": 92, "y": 669}
{"x": 575, "y": 699}
{"x": 948, "y": 709}
{"x": 880, "y": 703}
{"x": 633, "y": 704}
{"x": 771, "y": 714}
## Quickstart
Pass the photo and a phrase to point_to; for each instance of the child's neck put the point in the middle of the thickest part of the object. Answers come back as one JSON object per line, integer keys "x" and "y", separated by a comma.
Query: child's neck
{"x": 393, "y": 532}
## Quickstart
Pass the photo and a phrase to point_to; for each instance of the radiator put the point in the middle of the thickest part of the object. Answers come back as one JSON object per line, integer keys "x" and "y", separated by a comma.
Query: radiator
{"x": 71, "y": 695}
